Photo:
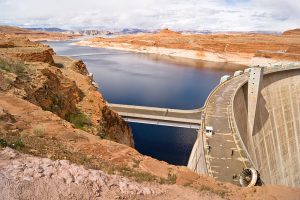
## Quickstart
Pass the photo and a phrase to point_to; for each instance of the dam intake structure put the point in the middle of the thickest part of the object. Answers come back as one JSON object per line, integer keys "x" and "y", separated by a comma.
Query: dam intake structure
{"x": 256, "y": 120}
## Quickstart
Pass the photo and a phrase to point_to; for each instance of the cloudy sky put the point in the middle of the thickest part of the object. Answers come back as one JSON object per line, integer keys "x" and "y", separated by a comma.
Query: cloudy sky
{"x": 197, "y": 15}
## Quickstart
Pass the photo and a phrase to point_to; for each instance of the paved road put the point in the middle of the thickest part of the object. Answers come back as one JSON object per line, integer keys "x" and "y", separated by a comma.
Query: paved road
{"x": 225, "y": 158}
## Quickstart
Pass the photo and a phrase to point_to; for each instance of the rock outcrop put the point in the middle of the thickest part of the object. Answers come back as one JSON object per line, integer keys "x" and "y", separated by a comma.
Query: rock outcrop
{"x": 167, "y": 31}
{"x": 292, "y": 32}
{"x": 30, "y": 72}
{"x": 89, "y": 183}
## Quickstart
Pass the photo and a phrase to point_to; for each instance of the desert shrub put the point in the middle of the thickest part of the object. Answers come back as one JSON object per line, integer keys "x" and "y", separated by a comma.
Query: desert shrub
{"x": 80, "y": 120}
{"x": 172, "y": 178}
{"x": 221, "y": 193}
{"x": 17, "y": 68}
{"x": 138, "y": 176}
{"x": 39, "y": 131}
{"x": 3, "y": 142}
{"x": 18, "y": 144}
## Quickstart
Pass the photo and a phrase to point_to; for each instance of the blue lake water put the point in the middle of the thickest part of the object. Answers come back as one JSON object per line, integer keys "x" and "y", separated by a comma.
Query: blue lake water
{"x": 139, "y": 79}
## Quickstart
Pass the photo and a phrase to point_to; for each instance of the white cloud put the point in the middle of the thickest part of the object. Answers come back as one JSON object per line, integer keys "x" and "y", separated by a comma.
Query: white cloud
{"x": 214, "y": 15}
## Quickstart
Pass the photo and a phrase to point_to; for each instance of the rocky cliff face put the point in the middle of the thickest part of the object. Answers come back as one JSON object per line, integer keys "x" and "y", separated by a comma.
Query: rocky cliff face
{"x": 61, "y": 86}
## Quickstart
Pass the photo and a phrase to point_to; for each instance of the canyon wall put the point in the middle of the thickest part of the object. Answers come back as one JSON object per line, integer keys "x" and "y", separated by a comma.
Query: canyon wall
{"x": 274, "y": 147}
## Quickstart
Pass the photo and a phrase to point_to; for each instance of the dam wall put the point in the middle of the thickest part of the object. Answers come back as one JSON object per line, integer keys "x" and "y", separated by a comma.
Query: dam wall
{"x": 197, "y": 158}
{"x": 274, "y": 145}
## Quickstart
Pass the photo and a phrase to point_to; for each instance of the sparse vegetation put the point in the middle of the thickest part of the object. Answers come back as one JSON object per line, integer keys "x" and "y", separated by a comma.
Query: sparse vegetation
{"x": 170, "y": 180}
{"x": 16, "y": 144}
{"x": 80, "y": 120}
{"x": 54, "y": 149}
{"x": 136, "y": 163}
{"x": 104, "y": 135}
{"x": 221, "y": 193}
{"x": 136, "y": 175}
{"x": 39, "y": 131}
{"x": 3, "y": 142}
{"x": 15, "y": 67}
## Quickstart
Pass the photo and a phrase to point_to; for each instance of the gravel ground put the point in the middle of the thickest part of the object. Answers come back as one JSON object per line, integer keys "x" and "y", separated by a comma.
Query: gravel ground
{"x": 27, "y": 177}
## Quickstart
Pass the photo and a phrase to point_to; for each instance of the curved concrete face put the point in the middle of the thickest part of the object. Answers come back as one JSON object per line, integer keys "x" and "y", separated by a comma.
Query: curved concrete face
{"x": 274, "y": 147}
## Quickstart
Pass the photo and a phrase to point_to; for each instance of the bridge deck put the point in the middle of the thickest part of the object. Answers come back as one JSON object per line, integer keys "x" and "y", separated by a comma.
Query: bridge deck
{"x": 159, "y": 116}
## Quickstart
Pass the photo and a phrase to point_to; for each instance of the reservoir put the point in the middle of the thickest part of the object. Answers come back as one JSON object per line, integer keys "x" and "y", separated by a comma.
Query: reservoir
{"x": 144, "y": 80}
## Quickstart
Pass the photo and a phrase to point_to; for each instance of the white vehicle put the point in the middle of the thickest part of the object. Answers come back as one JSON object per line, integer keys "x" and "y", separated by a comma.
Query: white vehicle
{"x": 224, "y": 78}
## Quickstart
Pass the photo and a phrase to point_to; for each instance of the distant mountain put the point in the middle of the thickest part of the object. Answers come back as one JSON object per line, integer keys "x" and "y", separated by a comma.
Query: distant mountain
{"x": 47, "y": 29}
{"x": 94, "y": 32}
{"x": 133, "y": 31}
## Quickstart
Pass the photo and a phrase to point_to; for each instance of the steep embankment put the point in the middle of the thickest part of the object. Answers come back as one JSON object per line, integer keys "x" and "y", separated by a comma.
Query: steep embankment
{"x": 37, "y": 35}
{"x": 236, "y": 48}
{"x": 29, "y": 72}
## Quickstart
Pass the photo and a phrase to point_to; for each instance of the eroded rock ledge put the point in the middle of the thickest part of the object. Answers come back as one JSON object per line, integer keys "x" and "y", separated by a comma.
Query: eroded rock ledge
{"x": 60, "y": 85}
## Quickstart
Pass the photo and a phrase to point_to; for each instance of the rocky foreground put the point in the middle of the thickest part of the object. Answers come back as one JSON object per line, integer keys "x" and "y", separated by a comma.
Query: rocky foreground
{"x": 69, "y": 145}
{"x": 27, "y": 177}
{"x": 237, "y": 48}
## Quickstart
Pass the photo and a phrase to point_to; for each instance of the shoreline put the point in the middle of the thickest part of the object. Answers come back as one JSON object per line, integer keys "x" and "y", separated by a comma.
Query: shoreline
{"x": 209, "y": 60}
{"x": 181, "y": 56}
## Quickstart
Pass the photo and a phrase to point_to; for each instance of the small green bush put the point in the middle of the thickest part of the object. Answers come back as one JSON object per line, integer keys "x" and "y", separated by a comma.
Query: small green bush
{"x": 17, "y": 68}
{"x": 80, "y": 120}
{"x": 18, "y": 144}
{"x": 3, "y": 142}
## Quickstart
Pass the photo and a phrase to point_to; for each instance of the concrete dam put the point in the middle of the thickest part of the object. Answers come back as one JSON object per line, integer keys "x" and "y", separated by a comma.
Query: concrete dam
{"x": 256, "y": 120}
{"x": 274, "y": 143}
{"x": 255, "y": 116}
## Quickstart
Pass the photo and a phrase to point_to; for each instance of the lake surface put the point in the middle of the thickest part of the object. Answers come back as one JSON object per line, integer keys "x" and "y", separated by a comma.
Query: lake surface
{"x": 138, "y": 79}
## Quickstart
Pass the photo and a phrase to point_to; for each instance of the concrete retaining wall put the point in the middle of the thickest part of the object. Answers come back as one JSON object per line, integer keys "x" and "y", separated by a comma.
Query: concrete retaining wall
{"x": 275, "y": 145}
